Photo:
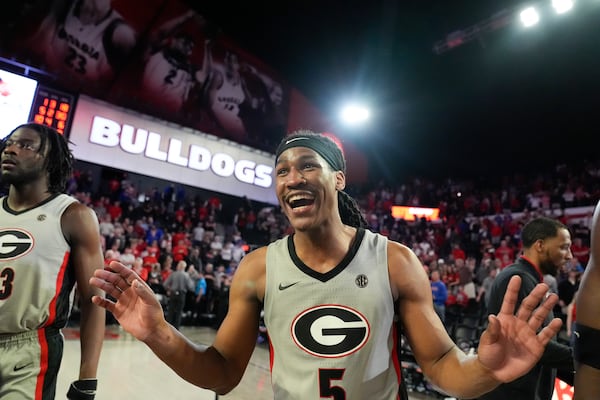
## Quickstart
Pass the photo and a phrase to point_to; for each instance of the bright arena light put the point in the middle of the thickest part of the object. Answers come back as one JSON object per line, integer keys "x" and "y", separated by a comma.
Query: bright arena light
{"x": 562, "y": 6}
{"x": 529, "y": 17}
{"x": 354, "y": 114}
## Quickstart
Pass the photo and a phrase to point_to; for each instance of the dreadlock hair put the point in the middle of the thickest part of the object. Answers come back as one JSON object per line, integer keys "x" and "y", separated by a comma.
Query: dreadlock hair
{"x": 349, "y": 211}
{"x": 332, "y": 154}
{"x": 540, "y": 228}
{"x": 59, "y": 159}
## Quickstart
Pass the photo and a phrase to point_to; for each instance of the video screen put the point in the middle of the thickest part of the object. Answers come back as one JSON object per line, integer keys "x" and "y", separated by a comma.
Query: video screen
{"x": 16, "y": 97}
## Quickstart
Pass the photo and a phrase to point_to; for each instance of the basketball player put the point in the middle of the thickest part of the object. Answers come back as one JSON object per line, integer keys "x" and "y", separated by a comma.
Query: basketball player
{"x": 331, "y": 292}
{"x": 586, "y": 334}
{"x": 84, "y": 40}
{"x": 226, "y": 93}
{"x": 261, "y": 111}
{"x": 169, "y": 76}
{"x": 48, "y": 243}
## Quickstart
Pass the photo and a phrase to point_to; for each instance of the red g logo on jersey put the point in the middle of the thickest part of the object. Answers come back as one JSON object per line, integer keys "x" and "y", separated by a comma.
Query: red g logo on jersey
{"x": 330, "y": 331}
{"x": 14, "y": 243}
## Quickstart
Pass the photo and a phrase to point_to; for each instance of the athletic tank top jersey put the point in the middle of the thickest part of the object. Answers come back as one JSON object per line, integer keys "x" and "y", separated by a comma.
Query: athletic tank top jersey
{"x": 80, "y": 48}
{"x": 332, "y": 335}
{"x": 167, "y": 81}
{"x": 36, "y": 278}
{"x": 226, "y": 105}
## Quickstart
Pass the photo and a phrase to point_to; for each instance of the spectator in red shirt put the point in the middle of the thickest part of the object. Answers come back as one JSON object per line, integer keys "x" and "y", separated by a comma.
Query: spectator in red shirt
{"x": 167, "y": 267}
{"x": 457, "y": 252}
{"x": 149, "y": 259}
{"x": 580, "y": 251}
{"x": 140, "y": 270}
{"x": 180, "y": 237}
{"x": 505, "y": 249}
{"x": 180, "y": 251}
{"x": 137, "y": 245}
{"x": 115, "y": 210}
{"x": 153, "y": 248}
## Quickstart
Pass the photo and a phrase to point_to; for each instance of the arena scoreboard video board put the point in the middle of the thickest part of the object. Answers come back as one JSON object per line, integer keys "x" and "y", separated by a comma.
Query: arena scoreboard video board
{"x": 53, "y": 108}
{"x": 24, "y": 99}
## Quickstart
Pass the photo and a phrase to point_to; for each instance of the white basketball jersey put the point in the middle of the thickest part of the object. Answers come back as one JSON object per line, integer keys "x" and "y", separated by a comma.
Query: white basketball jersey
{"x": 36, "y": 278}
{"x": 332, "y": 335}
{"x": 80, "y": 47}
{"x": 226, "y": 105}
{"x": 166, "y": 81}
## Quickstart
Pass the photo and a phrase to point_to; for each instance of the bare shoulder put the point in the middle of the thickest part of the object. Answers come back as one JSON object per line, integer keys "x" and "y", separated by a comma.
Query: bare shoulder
{"x": 79, "y": 213}
{"x": 256, "y": 259}
{"x": 252, "y": 271}
{"x": 78, "y": 218}
{"x": 407, "y": 275}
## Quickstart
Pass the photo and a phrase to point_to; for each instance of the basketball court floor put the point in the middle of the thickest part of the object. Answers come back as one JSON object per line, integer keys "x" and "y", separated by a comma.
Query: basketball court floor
{"x": 129, "y": 370}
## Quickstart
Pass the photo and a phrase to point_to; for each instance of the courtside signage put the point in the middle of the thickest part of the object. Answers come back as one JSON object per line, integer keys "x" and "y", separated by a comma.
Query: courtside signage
{"x": 107, "y": 135}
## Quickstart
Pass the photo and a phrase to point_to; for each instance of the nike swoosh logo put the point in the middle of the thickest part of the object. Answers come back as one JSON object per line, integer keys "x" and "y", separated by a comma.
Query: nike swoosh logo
{"x": 20, "y": 367}
{"x": 283, "y": 287}
{"x": 576, "y": 334}
{"x": 294, "y": 139}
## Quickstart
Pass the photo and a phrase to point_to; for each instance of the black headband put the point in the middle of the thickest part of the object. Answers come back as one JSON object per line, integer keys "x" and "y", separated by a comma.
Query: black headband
{"x": 316, "y": 144}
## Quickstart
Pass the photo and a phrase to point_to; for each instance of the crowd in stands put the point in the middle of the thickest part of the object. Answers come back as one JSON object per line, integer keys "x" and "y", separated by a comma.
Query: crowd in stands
{"x": 478, "y": 232}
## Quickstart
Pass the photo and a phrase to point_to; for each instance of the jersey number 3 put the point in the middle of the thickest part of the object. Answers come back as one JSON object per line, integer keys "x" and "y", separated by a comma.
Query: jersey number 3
{"x": 7, "y": 276}
{"x": 75, "y": 60}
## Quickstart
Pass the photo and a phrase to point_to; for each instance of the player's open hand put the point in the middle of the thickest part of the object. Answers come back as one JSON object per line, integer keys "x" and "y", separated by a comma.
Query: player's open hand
{"x": 513, "y": 343}
{"x": 135, "y": 305}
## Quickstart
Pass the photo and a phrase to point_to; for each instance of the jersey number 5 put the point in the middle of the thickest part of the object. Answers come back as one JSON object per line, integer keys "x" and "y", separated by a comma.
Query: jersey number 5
{"x": 326, "y": 389}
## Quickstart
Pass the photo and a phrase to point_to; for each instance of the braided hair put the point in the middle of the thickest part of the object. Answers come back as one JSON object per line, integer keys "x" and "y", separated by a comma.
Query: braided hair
{"x": 331, "y": 152}
{"x": 59, "y": 159}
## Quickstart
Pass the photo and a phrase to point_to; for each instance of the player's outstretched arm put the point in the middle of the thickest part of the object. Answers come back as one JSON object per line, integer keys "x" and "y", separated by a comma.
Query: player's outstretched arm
{"x": 219, "y": 367}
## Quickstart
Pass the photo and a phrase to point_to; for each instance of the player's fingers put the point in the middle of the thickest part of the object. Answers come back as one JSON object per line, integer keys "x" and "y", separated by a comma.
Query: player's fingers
{"x": 107, "y": 286}
{"x": 121, "y": 279}
{"x": 126, "y": 275}
{"x": 144, "y": 291}
{"x": 510, "y": 297}
{"x": 104, "y": 303}
{"x": 531, "y": 302}
{"x": 492, "y": 332}
{"x": 550, "y": 331}
{"x": 539, "y": 315}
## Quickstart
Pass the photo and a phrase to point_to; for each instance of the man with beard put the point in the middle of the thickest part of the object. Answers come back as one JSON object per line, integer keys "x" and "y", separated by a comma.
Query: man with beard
{"x": 48, "y": 243}
{"x": 546, "y": 249}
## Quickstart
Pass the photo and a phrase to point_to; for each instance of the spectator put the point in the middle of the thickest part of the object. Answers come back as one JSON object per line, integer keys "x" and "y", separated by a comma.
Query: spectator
{"x": 177, "y": 285}
{"x": 440, "y": 295}
{"x": 568, "y": 287}
{"x": 127, "y": 258}
{"x": 180, "y": 251}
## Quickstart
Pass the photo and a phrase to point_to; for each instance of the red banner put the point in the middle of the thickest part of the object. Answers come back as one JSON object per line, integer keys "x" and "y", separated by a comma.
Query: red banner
{"x": 156, "y": 56}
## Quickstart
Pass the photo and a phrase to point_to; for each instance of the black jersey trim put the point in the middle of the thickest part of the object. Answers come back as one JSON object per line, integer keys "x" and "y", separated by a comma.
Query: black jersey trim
{"x": 9, "y": 210}
{"x": 360, "y": 234}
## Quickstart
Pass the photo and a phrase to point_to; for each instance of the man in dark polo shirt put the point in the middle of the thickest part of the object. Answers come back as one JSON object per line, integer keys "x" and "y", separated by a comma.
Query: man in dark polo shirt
{"x": 546, "y": 249}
